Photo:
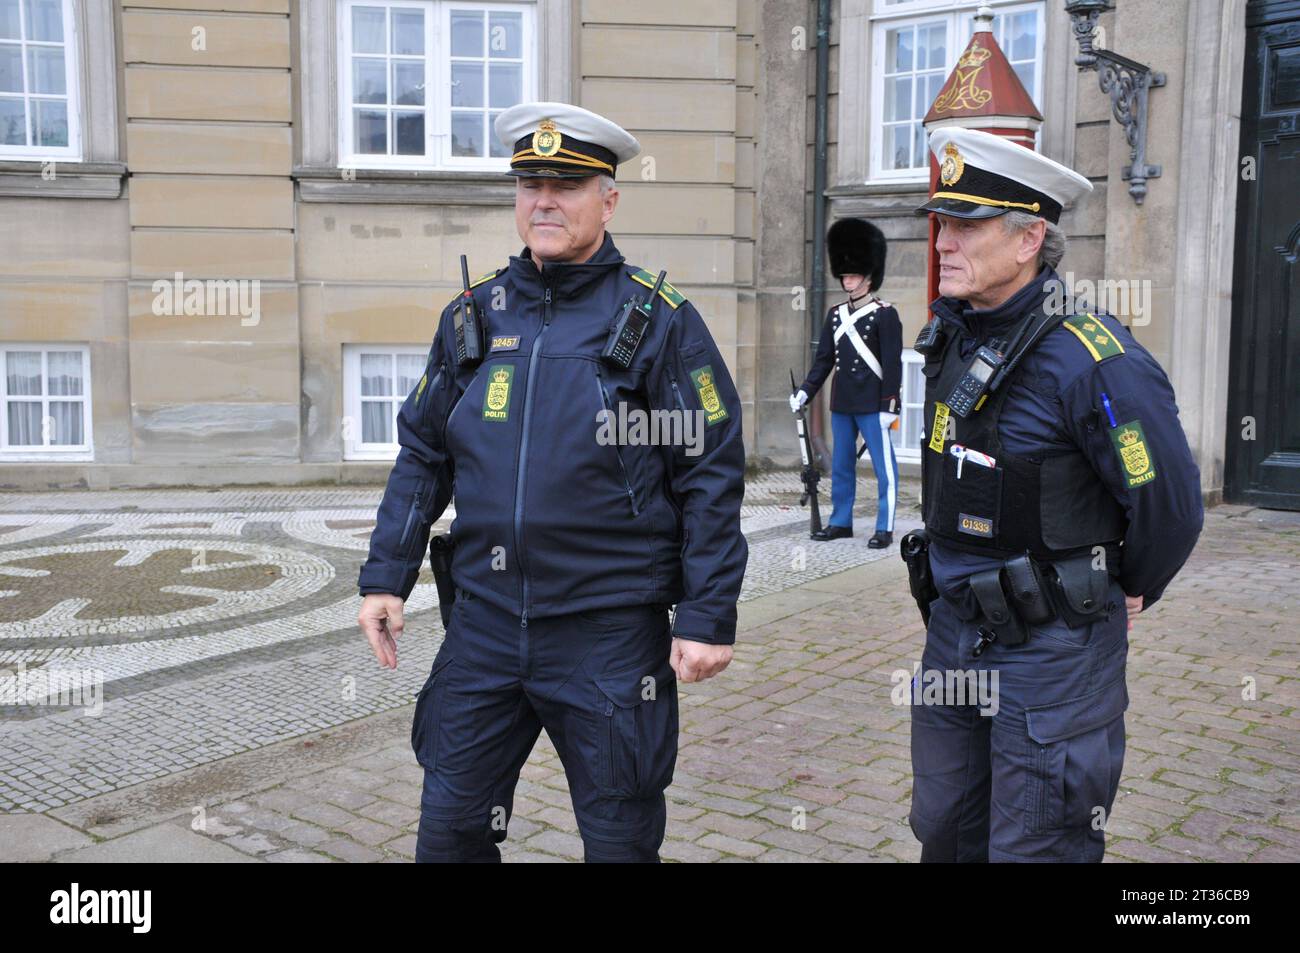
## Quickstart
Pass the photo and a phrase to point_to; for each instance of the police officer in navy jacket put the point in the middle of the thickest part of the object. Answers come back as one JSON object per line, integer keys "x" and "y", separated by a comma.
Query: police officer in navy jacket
{"x": 574, "y": 533}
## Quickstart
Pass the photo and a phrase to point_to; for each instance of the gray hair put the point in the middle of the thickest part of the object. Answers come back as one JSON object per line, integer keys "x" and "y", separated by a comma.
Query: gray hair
{"x": 607, "y": 185}
{"x": 1053, "y": 248}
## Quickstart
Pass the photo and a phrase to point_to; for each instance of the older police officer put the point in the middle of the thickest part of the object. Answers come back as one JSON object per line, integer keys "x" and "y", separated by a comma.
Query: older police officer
{"x": 1060, "y": 498}
{"x": 568, "y": 547}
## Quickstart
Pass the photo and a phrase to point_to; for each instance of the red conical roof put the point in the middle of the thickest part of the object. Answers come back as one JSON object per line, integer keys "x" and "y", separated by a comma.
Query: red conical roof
{"x": 982, "y": 84}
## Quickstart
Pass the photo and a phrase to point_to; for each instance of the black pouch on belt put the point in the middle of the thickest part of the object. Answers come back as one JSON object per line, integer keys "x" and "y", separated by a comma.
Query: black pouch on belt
{"x": 440, "y": 549}
{"x": 1079, "y": 589}
{"x": 1000, "y": 618}
{"x": 1028, "y": 590}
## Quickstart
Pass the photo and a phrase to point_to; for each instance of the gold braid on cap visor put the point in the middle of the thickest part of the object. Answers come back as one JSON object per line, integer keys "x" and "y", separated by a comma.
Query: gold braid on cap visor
{"x": 567, "y": 157}
{"x": 980, "y": 200}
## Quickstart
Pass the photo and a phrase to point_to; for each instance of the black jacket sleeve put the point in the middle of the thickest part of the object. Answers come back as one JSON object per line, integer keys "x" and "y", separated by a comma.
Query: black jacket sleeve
{"x": 890, "y": 330}
{"x": 823, "y": 361}
{"x": 419, "y": 485}
{"x": 708, "y": 485}
{"x": 1145, "y": 462}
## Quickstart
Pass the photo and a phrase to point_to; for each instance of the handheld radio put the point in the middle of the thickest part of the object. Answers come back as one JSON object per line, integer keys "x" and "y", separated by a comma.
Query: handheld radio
{"x": 629, "y": 328}
{"x": 468, "y": 322}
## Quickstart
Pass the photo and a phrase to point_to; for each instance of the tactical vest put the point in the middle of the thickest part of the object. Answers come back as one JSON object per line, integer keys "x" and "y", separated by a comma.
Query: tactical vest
{"x": 1051, "y": 506}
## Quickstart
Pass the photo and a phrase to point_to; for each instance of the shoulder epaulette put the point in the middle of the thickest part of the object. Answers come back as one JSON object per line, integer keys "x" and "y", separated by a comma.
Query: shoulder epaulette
{"x": 667, "y": 292}
{"x": 1094, "y": 335}
{"x": 488, "y": 277}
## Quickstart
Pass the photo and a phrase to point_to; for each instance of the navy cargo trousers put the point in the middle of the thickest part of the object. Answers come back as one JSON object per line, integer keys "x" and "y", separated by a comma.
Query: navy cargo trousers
{"x": 1036, "y": 779}
{"x": 599, "y": 682}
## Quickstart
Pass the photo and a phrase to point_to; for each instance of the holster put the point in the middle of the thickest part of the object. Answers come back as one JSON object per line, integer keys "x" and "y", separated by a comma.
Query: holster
{"x": 440, "y": 550}
{"x": 915, "y": 551}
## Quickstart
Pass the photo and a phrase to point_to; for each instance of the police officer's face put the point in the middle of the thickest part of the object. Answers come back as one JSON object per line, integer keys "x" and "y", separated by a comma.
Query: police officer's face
{"x": 562, "y": 219}
{"x": 980, "y": 263}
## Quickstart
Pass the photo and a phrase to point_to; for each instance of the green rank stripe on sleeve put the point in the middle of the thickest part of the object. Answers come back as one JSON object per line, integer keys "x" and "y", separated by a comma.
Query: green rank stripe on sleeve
{"x": 714, "y": 410}
{"x": 1134, "y": 456}
{"x": 1100, "y": 343}
{"x": 667, "y": 292}
{"x": 420, "y": 390}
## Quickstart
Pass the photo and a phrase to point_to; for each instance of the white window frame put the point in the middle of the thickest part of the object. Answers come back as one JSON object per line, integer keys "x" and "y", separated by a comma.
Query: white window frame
{"x": 437, "y": 100}
{"x": 72, "y": 85}
{"x": 959, "y": 18}
{"x": 68, "y": 452}
{"x": 910, "y": 404}
{"x": 353, "y": 447}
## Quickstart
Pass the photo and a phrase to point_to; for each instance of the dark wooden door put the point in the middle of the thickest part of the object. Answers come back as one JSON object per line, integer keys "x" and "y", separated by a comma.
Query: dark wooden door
{"x": 1263, "y": 446}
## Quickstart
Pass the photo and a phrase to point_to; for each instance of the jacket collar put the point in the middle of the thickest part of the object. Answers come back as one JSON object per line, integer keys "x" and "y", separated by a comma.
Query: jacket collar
{"x": 981, "y": 324}
{"x": 565, "y": 278}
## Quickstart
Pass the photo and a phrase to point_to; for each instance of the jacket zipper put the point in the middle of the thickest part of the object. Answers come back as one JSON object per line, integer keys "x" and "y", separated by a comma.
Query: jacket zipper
{"x": 627, "y": 483}
{"x": 677, "y": 394}
{"x": 408, "y": 535}
{"x": 521, "y": 462}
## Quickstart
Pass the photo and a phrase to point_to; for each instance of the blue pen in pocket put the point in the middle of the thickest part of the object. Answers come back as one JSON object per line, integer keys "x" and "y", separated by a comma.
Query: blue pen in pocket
{"x": 1110, "y": 414}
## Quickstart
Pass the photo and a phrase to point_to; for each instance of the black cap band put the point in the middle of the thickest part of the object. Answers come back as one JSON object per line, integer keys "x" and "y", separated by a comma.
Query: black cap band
{"x": 978, "y": 193}
{"x": 562, "y": 156}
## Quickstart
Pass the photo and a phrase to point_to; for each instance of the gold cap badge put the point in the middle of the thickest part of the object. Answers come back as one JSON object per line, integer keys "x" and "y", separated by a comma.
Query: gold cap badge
{"x": 547, "y": 140}
{"x": 952, "y": 166}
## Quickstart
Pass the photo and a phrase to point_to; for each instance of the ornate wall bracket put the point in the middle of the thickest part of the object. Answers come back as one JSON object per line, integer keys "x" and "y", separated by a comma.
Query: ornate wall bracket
{"x": 1126, "y": 82}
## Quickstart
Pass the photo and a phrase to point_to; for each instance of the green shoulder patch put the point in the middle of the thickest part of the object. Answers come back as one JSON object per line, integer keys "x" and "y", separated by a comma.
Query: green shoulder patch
{"x": 1134, "y": 456}
{"x": 667, "y": 292}
{"x": 1094, "y": 335}
{"x": 714, "y": 410}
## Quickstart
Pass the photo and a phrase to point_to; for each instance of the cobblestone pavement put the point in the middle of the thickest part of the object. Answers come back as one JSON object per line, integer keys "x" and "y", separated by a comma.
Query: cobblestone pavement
{"x": 234, "y": 713}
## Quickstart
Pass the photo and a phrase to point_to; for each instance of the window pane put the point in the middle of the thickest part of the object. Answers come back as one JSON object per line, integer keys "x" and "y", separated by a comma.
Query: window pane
{"x": 368, "y": 30}
{"x": 1026, "y": 73}
{"x": 935, "y": 84}
{"x": 9, "y": 23}
{"x": 467, "y": 137}
{"x": 897, "y": 151}
{"x": 498, "y": 149}
{"x": 23, "y": 371}
{"x": 898, "y": 57}
{"x": 25, "y": 424}
{"x": 13, "y": 122}
{"x": 408, "y": 32}
{"x": 408, "y": 83}
{"x": 376, "y": 375}
{"x": 466, "y": 33}
{"x": 898, "y": 98}
{"x": 11, "y": 74}
{"x": 371, "y": 131}
{"x": 376, "y": 421}
{"x": 934, "y": 38}
{"x": 45, "y": 20}
{"x": 410, "y": 367}
{"x": 466, "y": 84}
{"x": 408, "y": 133}
{"x": 49, "y": 122}
{"x": 45, "y": 70}
{"x": 369, "y": 82}
{"x": 65, "y": 372}
{"x": 507, "y": 84}
{"x": 1023, "y": 41}
{"x": 919, "y": 157}
{"x": 66, "y": 423}
{"x": 506, "y": 34}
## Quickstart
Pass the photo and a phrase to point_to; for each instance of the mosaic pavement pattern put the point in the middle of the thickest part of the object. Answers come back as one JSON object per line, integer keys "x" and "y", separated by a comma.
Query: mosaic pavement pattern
{"x": 144, "y": 633}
